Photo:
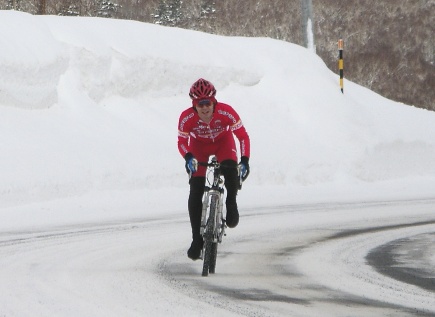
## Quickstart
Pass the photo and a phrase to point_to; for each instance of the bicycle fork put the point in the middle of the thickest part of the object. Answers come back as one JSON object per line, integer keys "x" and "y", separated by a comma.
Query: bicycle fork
{"x": 219, "y": 224}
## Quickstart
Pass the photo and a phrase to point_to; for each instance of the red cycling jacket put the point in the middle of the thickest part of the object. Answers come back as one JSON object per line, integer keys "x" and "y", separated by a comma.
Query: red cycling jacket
{"x": 225, "y": 121}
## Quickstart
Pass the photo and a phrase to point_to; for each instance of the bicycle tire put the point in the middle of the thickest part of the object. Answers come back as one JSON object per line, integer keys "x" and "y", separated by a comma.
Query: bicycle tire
{"x": 209, "y": 252}
{"x": 213, "y": 256}
{"x": 207, "y": 256}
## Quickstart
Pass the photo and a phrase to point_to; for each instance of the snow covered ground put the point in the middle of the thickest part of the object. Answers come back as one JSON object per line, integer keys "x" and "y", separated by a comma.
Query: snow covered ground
{"x": 337, "y": 216}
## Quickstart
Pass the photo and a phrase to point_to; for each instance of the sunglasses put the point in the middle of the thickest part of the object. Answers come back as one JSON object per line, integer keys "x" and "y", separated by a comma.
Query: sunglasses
{"x": 204, "y": 103}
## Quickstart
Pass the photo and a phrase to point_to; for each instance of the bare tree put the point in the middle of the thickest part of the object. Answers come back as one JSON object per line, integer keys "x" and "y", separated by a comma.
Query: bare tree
{"x": 41, "y": 7}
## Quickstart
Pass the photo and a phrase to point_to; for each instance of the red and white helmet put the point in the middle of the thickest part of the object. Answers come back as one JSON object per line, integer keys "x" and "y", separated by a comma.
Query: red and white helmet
{"x": 202, "y": 89}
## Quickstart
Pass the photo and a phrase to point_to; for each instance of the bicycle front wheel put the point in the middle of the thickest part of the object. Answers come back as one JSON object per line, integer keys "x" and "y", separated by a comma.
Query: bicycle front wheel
{"x": 207, "y": 258}
{"x": 210, "y": 251}
{"x": 213, "y": 256}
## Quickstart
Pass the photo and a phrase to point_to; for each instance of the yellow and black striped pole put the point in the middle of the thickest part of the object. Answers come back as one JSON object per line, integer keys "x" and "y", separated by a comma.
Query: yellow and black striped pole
{"x": 340, "y": 62}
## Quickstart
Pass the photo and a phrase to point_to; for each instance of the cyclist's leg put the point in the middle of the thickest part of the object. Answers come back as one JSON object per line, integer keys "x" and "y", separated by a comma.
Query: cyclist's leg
{"x": 195, "y": 204}
{"x": 195, "y": 209}
{"x": 232, "y": 186}
{"x": 201, "y": 152}
{"x": 227, "y": 155}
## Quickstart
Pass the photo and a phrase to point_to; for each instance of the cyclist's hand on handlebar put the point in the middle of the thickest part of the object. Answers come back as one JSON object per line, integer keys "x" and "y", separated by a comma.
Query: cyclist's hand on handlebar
{"x": 244, "y": 167}
{"x": 191, "y": 163}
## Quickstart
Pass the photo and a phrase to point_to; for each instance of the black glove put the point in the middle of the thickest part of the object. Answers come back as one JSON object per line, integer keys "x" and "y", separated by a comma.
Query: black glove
{"x": 191, "y": 163}
{"x": 244, "y": 167}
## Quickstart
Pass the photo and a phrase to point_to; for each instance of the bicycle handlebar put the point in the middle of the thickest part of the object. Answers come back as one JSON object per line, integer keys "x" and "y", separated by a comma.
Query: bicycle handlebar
{"x": 207, "y": 164}
{"x": 216, "y": 164}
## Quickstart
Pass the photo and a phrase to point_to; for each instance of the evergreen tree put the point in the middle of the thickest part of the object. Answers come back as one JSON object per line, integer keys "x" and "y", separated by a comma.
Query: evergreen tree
{"x": 208, "y": 14}
{"x": 168, "y": 13}
{"x": 208, "y": 8}
{"x": 72, "y": 10}
{"x": 13, "y": 5}
{"x": 106, "y": 9}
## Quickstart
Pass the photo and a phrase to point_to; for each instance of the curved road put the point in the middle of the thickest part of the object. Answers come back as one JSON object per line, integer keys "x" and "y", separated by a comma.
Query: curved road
{"x": 343, "y": 259}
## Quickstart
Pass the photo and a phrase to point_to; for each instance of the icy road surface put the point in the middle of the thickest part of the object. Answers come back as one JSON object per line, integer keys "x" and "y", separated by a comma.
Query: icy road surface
{"x": 343, "y": 259}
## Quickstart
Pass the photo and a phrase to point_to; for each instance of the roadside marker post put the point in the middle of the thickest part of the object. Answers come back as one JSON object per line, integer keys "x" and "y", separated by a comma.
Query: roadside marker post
{"x": 340, "y": 62}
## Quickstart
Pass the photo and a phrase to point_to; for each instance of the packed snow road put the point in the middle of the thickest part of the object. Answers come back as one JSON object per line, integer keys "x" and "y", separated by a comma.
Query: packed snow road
{"x": 343, "y": 259}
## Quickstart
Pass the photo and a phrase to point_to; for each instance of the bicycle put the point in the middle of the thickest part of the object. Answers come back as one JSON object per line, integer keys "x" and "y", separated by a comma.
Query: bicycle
{"x": 212, "y": 221}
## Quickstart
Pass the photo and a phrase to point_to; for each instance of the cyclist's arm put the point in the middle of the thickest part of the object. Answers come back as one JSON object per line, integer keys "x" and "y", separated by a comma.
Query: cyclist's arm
{"x": 183, "y": 143}
{"x": 245, "y": 143}
{"x": 184, "y": 124}
{"x": 237, "y": 127}
{"x": 240, "y": 132}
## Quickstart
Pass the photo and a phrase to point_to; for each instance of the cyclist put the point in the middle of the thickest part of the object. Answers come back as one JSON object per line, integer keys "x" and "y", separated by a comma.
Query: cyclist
{"x": 206, "y": 129}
